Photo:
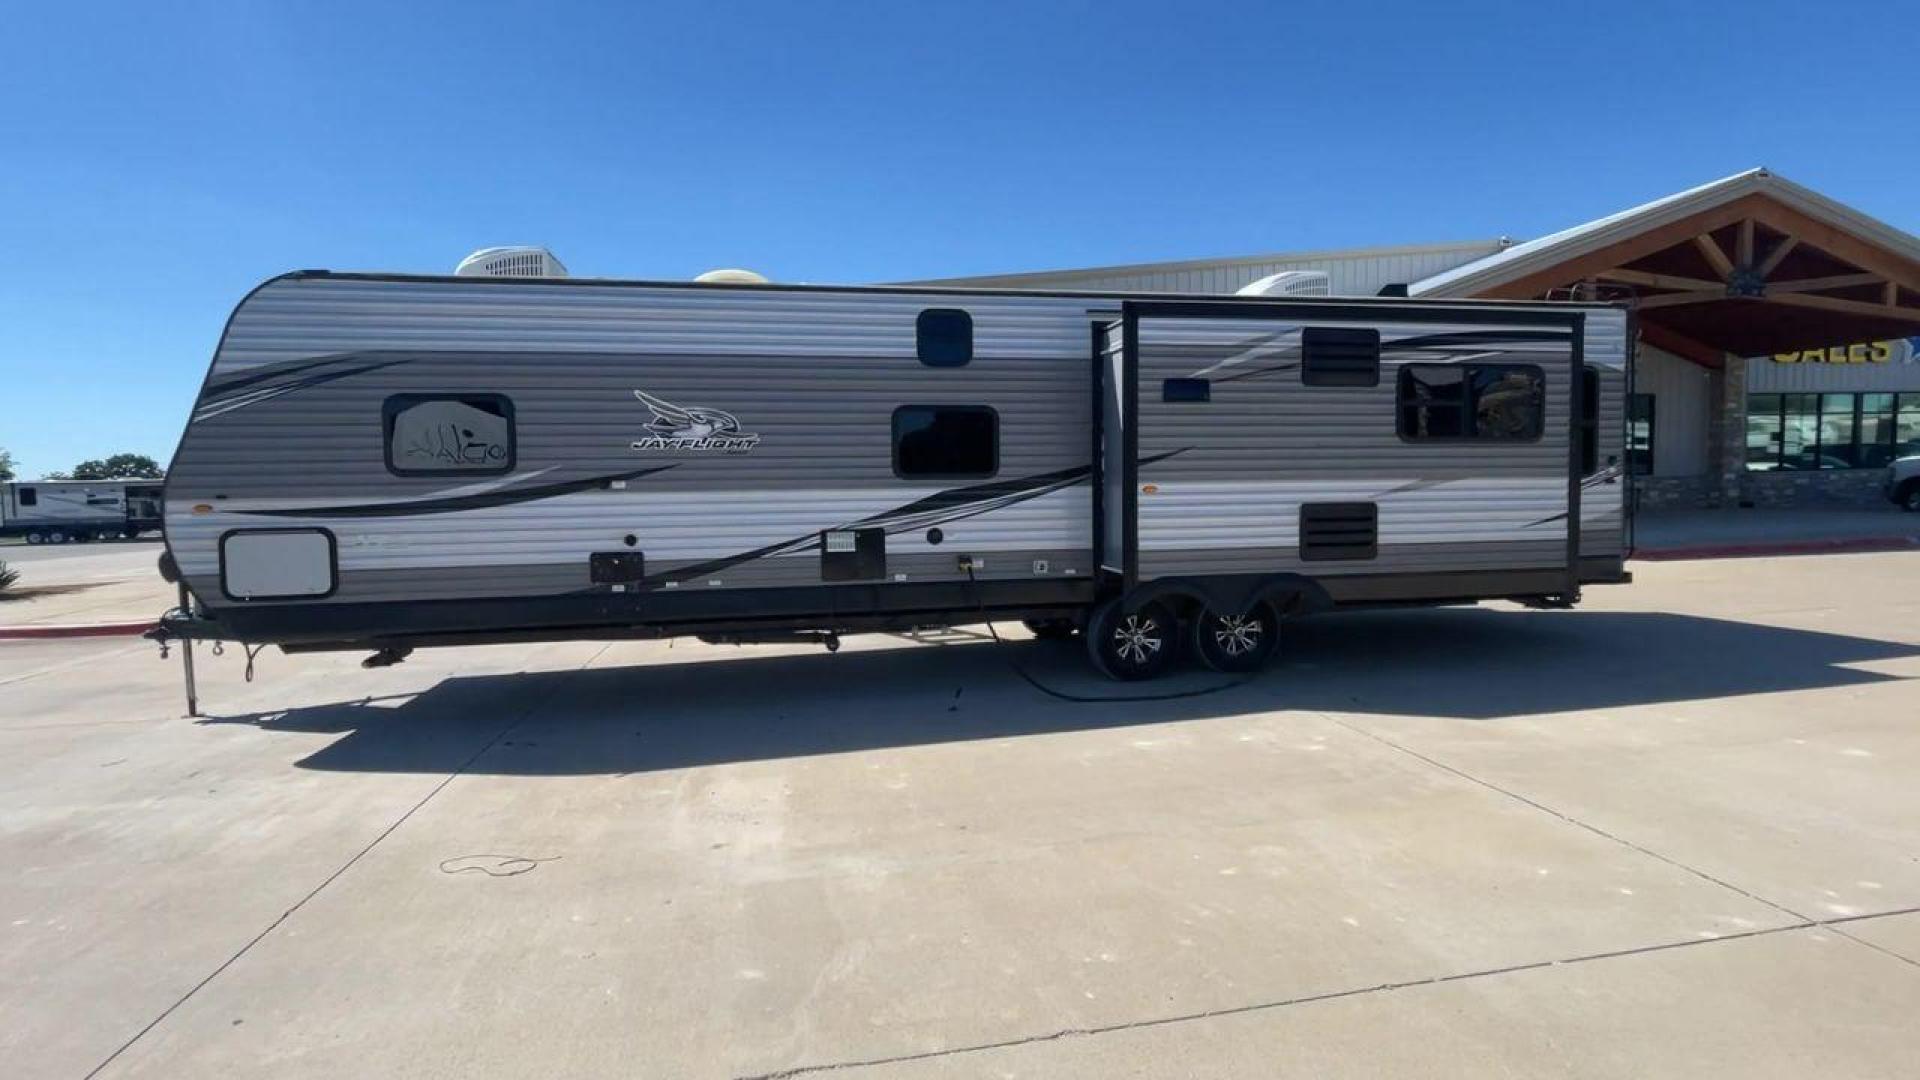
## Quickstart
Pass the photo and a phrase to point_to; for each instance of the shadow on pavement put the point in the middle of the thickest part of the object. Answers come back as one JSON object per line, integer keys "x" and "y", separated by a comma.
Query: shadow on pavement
{"x": 1467, "y": 663}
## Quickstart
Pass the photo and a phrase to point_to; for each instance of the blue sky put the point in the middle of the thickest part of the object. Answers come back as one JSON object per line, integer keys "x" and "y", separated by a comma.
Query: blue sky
{"x": 157, "y": 160}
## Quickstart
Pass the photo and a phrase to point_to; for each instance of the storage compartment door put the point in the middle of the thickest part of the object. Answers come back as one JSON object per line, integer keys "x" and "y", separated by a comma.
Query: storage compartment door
{"x": 278, "y": 564}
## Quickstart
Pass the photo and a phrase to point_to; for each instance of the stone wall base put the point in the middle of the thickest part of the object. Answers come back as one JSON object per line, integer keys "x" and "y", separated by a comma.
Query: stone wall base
{"x": 1839, "y": 489}
{"x": 1853, "y": 489}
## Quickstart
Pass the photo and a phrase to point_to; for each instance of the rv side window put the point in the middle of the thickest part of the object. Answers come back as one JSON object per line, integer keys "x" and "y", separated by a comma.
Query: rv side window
{"x": 443, "y": 434}
{"x": 1589, "y": 420}
{"x": 1489, "y": 402}
{"x": 1339, "y": 356}
{"x": 946, "y": 441}
{"x": 944, "y": 337}
{"x": 29, "y": 496}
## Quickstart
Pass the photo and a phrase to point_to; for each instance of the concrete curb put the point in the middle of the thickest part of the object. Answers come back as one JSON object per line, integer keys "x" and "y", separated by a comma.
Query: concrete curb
{"x": 74, "y": 630}
{"x": 1836, "y": 546}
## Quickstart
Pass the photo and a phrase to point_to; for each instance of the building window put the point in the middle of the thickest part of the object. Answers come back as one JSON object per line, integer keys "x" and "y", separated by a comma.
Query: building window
{"x": 29, "y": 496}
{"x": 1906, "y": 426}
{"x": 1640, "y": 434}
{"x": 1830, "y": 431}
{"x": 1492, "y": 402}
{"x": 943, "y": 337}
{"x": 1877, "y": 413}
{"x": 449, "y": 434}
{"x": 948, "y": 442}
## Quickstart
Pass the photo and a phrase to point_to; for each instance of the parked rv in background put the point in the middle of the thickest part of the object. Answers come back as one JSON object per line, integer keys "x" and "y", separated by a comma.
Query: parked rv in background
{"x": 59, "y": 511}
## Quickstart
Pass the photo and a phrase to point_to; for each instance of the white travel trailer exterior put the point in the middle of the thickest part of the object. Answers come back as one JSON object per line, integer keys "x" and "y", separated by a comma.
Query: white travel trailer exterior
{"x": 59, "y": 511}
{"x": 384, "y": 462}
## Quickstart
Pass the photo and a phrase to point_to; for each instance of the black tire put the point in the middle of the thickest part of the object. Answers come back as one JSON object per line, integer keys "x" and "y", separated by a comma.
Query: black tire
{"x": 1050, "y": 629}
{"x": 55, "y": 536}
{"x": 1132, "y": 643}
{"x": 1236, "y": 643}
{"x": 1910, "y": 497}
{"x": 35, "y": 538}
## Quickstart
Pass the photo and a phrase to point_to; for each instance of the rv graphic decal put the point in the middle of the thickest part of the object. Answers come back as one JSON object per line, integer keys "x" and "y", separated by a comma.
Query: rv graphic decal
{"x": 692, "y": 427}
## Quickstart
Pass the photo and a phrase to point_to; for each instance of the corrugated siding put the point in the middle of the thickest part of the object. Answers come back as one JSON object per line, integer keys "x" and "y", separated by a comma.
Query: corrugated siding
{"x": 1682, "y": 405}
{"x": 1603, "y": 495}
{"x": 816, "y": 375}
{"x": 1236, "y": 468}
{"x": 1358, "y": 274}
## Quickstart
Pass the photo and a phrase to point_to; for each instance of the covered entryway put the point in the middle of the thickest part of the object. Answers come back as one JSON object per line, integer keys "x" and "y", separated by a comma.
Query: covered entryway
{"x": 1752, "y": 266}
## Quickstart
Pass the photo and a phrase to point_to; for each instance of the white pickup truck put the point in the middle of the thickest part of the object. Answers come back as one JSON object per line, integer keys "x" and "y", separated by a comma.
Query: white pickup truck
{"x": 1903, "y": 483}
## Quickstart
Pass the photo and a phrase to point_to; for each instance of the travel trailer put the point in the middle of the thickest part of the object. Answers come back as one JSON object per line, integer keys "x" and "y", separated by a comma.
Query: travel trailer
{"x": 386, "y": 462}
{"x": 59, "y": 511}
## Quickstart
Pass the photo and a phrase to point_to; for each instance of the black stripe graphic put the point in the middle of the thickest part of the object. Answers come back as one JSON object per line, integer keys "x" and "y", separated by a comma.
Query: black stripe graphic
{"x": 1474, "y": 337}
{"x": 954, "y": 504}
{"x": 482, "y": 501}
{"x": 269, "y": 372}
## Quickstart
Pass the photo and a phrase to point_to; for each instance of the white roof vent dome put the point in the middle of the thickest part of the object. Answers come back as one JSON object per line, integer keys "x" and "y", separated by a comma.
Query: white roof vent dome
{"x": 525, "y": 261}
{"x": 731, "y": 275}
{"x": 1289, "y": 283}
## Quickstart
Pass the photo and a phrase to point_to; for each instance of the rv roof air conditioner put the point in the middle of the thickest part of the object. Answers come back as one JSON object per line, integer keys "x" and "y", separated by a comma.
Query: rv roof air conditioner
{"x": 511, "y": 262}
{"x": 731, "y": 276}
{"x": 1289, "y": 283}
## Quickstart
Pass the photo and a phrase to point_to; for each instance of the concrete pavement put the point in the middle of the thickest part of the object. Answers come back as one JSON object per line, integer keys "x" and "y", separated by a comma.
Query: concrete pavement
{"x": 1672, "y": 833}
{"x": 84, "y": 583}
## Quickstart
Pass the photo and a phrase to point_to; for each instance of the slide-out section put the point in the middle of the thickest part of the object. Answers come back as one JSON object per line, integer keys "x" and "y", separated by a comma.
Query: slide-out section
{"x": 1432, "y": 447}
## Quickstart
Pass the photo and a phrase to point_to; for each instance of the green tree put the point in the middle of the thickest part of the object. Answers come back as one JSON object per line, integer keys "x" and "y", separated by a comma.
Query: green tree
{"x": 6, "y": 465}
{"x": 117, "y": 467}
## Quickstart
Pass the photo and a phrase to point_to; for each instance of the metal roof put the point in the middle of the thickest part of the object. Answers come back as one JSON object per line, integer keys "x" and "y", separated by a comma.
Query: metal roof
{"x": 1522, "y": 259}
{"x": 1038, "y": 278}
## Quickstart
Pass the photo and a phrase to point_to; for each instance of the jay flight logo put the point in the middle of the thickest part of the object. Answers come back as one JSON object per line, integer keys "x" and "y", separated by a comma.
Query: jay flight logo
{"x": 691, "y": 427}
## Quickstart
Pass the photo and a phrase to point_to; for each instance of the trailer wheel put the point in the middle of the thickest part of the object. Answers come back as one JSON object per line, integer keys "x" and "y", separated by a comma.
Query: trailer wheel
{"x": 56, "y": 536}
{"x": 35, "y": 538}
{"x": 1132, "y": 643}
{"x": 1236, "y": 643}
{"x": 1050, "y": 629}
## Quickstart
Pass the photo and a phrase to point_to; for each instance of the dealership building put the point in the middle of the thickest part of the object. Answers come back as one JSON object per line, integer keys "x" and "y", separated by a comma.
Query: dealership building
{"x": 1778, "y": 329}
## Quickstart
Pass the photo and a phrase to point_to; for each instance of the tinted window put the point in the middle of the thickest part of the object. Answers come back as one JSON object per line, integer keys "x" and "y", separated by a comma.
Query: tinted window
{"x": 1433, "y": 402}
{"x": 1589, "y": 420}
{"x": 1507, "y": 403}
{"x": 946, "y": 441}
{"x": 1490, "y": 402}
{"x": 944, "y": 337}
{"x": 29, "y": 497}
{"x": 434, "y": 434}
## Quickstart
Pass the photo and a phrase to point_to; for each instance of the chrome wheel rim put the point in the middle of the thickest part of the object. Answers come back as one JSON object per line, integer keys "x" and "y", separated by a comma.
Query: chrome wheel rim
{"x": 1137, "y": 639}
{"x": 1236, "y": 635}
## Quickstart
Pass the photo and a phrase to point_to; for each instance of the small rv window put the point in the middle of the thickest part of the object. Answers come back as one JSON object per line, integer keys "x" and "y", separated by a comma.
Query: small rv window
{"x": 1186, "y": 390}
{"x": 1339, "y": 356}
{"x": 946, "y": 441}
{"x": 29, "y": 496}
{"x": 944, "y": 337}
{"x": 440, "y": 434}
{"x": 1488, "y": 402}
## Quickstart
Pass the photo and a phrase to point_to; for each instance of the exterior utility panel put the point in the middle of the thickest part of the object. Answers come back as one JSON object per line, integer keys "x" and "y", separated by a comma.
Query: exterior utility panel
{"x": 379, "y": 460}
